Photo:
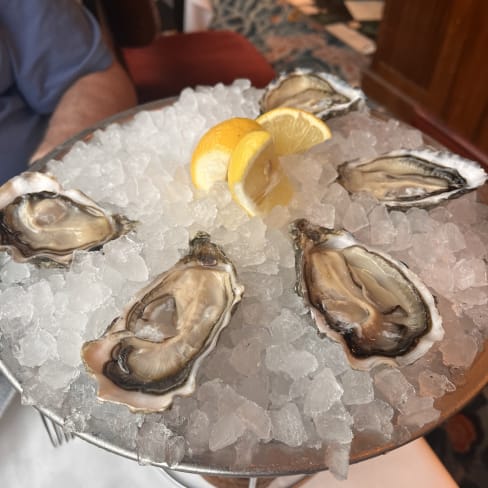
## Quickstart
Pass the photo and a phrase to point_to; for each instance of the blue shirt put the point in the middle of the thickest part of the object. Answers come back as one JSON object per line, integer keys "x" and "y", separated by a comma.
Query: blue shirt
{"x": 45, "y": 46}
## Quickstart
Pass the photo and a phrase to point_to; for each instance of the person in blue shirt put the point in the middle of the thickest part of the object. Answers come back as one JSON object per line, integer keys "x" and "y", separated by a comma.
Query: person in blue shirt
{"x": 57, "y": 77}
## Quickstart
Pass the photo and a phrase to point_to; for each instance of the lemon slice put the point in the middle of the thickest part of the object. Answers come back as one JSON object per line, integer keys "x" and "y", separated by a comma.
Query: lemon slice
{"x": 255, "y": 177}
{"x": 293, "y": 130}
{"x": 210, "y": 158}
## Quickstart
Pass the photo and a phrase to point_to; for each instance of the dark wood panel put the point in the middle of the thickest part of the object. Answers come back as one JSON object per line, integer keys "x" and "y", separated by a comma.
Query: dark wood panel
{"x": 467, "y": 99}
{"x": 412, "y": 37}
{"x": 439, "y": 131}
{"x": 481, "y": 139}
{"x": 452, "y": 52}
{"x": 432, "y": 62}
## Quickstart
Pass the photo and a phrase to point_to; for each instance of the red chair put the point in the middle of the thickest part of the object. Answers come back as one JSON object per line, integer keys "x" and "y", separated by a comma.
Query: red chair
{"x": 161, "y": 65}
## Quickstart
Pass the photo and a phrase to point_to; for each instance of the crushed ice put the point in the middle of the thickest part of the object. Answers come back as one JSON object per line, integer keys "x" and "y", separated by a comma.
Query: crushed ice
{"x": 271, "y": 377}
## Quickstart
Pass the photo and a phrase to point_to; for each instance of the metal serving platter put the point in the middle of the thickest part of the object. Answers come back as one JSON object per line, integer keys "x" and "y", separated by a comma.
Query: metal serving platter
{"x": 273, "y": 458}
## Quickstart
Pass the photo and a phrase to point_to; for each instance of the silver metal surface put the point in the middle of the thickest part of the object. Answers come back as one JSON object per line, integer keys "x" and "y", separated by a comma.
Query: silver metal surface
{"x": 57, "y": 435}
{"x": 273, "y": 458}
{"x": 7, "y": 393}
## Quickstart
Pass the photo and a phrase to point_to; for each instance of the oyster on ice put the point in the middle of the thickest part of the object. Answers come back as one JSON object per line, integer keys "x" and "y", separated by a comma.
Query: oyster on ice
{"x": 420, "y": 178}
{"x": 41, "y": 222}
{"x": 152, "y": 352}
{"x": 373, "y": 305}
{"x": 321, "y": 94}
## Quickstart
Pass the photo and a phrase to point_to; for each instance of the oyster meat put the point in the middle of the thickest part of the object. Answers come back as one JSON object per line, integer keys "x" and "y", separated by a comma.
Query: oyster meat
{"x": 41, "y": 222}
{"x": 372, "y": 304}
{"x": 321, "y": 94}
{"x": 420, "y": 178}
{"x": 153, "y": 350}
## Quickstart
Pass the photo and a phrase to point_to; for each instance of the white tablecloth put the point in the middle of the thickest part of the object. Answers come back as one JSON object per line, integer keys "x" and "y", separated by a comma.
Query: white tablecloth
{"x": 29, "y": 461}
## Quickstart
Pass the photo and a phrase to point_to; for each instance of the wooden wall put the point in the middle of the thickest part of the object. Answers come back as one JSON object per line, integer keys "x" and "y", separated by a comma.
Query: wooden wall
{"x": 431, "y": 69}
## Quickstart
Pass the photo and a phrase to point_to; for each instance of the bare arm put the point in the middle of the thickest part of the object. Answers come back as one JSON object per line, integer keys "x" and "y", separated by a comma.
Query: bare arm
{"x": 89, "y": 100}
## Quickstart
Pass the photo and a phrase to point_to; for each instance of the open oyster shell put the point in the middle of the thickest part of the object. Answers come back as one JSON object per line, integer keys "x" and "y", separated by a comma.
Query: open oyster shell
{"x": 152, "y": 352}
{"x": 321, "y": 94}
{"x": 421, "y": 178}
{"x": 41, "y": 222}
{"x": 364, "y": 299}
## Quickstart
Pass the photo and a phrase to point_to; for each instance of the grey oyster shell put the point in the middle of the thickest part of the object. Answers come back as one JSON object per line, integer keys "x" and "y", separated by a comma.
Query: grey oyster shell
{"x": 152, "y": 352}
{"x": 321, "y": 94}
{"x": 42, "y": 223}
{"x": 364, "y": 299}
{"x": 406, "y": 178}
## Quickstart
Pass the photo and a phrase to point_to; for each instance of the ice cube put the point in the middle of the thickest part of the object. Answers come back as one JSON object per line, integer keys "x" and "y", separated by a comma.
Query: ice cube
{"x": 328, "y": 175}
{"x": 469, "y": 273}
{"x": 124, "y": 255}
{"x": 119, "y": 425}
{"x": 463, "y": 209}
{"x": 12, "y": 272}
{"x": 197, "y": 431}
{"x": 157, "y": 443}
{"x": 403, "y": 232}
{"x": 226, "y": 431}
{"x": 85, "y": 293}
{"x": 286, "y": 328}
{"x": 420, "y": 220}
{"x": 337, "y": 196}
{"x": 459, "y": 350}
{"x": 255, "y": 418}
{"x": 334, "y": 425}
{"x": 248, "y": 250}
{"x": 323, "y": 214}
{"x": 178, "y": 414}
{"x": 287, "y": 359}
{"x": 256, "y": 388}
{"x": 453, "y": 237}
{"x": 265, "y": 287}
{"x": 245, "y": 357}
{"x": 277, "y": 217}
{"x": 417, "y": 412}
{"x": 323, "y": 392}
{"x": 382, "y": 231}
{"x": 36, "y": 348}
{"x": 434, "y": 384}
{"x": 375, "y": 416}
{"x": 337, "y": 459}
{"x": 57, "y": 376}
{"x": 479, "y": 315}
{"x": 212, "y": 367}
{"x": 358, "y": 387}
{"x": 393, "y": 386}
{"x": 355, "y": 218}
{"x": 69, "y": 347}
{"x": 288, "y": 426}
{"x": 245, "y": 449}
{"x": 16, "y": 303}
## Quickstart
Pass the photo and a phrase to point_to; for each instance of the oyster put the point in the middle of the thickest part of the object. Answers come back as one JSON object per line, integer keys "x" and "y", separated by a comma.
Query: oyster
{"x": 322, "y": 94}
{"x": 373, "y": 305}
{"x": 39, "y": 221}
{"x": 412, "y": 178}
{"x": 153, "y": 350}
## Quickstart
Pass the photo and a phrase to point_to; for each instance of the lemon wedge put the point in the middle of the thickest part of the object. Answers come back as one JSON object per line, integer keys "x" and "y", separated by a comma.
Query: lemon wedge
{"x": 211, "y": 156}
{"x": 255, "y": 177}
{"x": 293, "y": 130}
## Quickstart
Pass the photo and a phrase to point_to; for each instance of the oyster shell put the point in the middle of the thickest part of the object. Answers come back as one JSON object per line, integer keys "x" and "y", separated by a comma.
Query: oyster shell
{"x": 420, "y": 178}
{"x": 321, "y": 94}
{"x": 373, "y": 305}
{"x": 41, "y": 222}
{"x": 153, "y": 350}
